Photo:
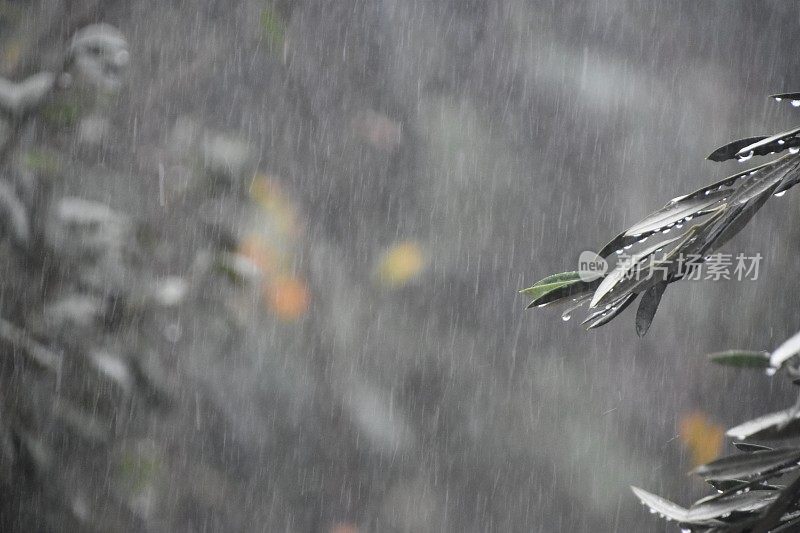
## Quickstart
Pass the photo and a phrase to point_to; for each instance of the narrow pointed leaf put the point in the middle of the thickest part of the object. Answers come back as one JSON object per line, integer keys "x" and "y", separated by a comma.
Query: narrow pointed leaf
{"x": 774, "y": 426}
{"x": 732, "y": 486}
{"x": 741, "y": 359}
{"x": 754, "y": 189}
{"x": 550, "y": 283}
{"x": 729, "y": 151}
{"x": 660, "y": 505}
{"x": 722, "y": 228}
{"x": 789, "y": 180}
{"x": 673, "y": 214}
{"x": 785, "y": 96}
{"x": 648, "y": 306}
{"x": 576, "y": 304}
{"x": 621, "y": 270}
{"x": 750, "y": 448}
{"x": 650, "y": 271}
{"x": 774, "y": 143}
{"x": 604, "y": 316}
{"x": 745, "y": 502}
{"x": 569, "y": 291}
{"x": 678, "y": 211}
{"x": 748, "y": 464}
{"x": 726, "y": 183}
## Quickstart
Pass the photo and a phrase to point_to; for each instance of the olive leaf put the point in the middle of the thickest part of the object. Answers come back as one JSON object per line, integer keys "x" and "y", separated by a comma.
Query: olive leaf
{"x": 551, "y": 284}
{"x": 746, "y": 465}
{"x": 741, "y": 359}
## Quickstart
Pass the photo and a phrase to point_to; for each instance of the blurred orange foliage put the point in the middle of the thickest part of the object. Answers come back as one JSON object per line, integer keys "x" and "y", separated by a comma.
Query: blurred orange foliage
{"x": 284, "y": 293}
{"x": 400, "y": 264}
{"x": 287, "y": 296}
{"x": 344, "y": 528}
{"x": 703, "y": 437}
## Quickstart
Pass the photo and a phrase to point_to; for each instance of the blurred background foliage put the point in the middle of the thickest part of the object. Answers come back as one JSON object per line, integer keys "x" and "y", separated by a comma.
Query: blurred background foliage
{"x": 323, "y": 212}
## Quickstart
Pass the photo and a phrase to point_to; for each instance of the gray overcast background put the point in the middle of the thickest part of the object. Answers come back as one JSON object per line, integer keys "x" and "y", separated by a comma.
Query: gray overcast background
{"x": 497, "y": 140}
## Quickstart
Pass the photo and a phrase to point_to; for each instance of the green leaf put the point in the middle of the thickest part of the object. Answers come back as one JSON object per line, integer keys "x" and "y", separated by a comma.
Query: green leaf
{"x": 550, "y": 284}
{"x": 741, "y": 358}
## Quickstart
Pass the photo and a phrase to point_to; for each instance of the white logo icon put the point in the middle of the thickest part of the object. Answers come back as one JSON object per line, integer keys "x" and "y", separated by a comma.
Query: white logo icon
{"x": 591, "y": 266}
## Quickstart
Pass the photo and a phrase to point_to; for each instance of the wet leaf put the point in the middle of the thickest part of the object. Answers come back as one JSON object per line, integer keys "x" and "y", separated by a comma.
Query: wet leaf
{"x": 726, "y": 183}
{"x": 730, "y": 486}
{"x": 741, "y": 359}
{"x": 785, "y": 96}
{"x": 662, "y": 506}
{"x": 746, "y": 465}
{"x": 607, "y": 290}
{"x": 721, "y": 507}
{"x": 729, "y": 151}
{"x": 648, "y": 306}
{"x": 750, "y": 448}
{"x": 604, "y": 316}
{"x": 551, "y": 283}
{"x": 674, "y": 214}
{"x": 772, "y": 144}
{"x": 780, "y": 425}
{"x": 579, "y": 290}
{"x": 753, "y": 189}
{"x": 777, "y": 511}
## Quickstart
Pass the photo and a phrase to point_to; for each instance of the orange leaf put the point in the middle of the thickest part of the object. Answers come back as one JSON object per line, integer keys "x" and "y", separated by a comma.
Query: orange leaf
{"x": 288, "y": 297}
{"x": 703, "y": 437}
